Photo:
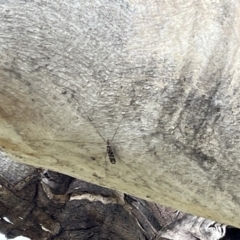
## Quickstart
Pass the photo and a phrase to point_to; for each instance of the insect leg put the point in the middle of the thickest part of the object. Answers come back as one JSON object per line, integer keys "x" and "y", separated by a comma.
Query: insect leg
{"x": 145, "y": 183}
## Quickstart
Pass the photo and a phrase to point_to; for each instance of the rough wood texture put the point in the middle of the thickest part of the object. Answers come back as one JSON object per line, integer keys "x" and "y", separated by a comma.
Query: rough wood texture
{"x": 158, "y": 79}
{"x": 53, "y": 206}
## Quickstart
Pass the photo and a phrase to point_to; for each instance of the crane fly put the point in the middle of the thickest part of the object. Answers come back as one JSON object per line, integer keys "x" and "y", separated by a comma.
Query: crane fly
{"x": 110, "y": 153}
{"x": 109, "y": 148}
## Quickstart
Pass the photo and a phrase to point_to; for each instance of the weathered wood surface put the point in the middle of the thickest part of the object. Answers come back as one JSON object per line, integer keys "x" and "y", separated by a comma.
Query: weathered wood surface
{"x": 42, "y": 204}
{"x": 162, "y": 77}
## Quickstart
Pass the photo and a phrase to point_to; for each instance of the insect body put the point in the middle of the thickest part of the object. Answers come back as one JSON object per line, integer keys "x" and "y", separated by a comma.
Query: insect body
{"x": 110, "y": 153}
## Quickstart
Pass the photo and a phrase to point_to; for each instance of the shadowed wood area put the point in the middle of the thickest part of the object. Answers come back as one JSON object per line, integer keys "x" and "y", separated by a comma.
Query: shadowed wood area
{"x": 158, "y": 80}
{"x": 42, "y": 204}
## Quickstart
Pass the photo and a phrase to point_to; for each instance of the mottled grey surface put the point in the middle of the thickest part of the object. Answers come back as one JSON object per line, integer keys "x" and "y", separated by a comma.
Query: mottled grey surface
{"x": 159, "y": 79}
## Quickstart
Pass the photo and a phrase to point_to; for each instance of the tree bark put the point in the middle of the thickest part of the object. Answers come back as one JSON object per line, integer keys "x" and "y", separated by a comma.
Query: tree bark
{"x": 42, "y": 204}
{"x": 158, "y": 79}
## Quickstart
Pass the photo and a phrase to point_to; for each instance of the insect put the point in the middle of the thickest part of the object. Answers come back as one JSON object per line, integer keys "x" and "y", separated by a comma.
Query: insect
{"x": 110, "y": 153}
{"x": 109, "y": 148}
